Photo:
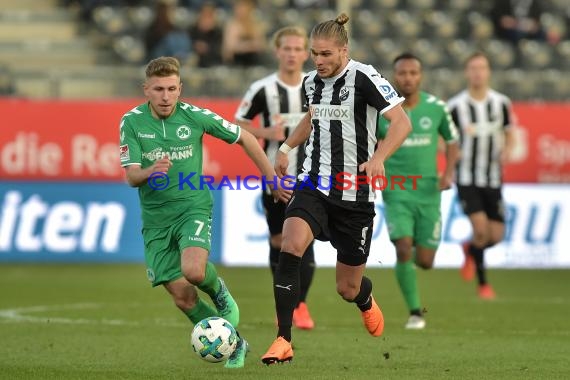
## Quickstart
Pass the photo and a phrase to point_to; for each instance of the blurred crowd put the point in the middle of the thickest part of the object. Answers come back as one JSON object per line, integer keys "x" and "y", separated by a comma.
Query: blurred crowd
{"x": 239, "y": 37}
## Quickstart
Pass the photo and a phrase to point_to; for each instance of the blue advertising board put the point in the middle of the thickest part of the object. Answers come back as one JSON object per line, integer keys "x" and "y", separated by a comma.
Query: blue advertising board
{"x": 75, "y": 222}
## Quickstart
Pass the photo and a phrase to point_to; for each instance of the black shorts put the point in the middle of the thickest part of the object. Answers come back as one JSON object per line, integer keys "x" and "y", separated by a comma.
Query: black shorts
{"x": 274, "y": 213}
{"x": 347, "y": 225}
{"x": 489, "y": 200}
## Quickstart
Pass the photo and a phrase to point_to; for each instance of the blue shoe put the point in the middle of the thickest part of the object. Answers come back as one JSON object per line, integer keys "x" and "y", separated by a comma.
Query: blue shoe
{"x": 226, "y": 305}
{"x": 237, "y": 358}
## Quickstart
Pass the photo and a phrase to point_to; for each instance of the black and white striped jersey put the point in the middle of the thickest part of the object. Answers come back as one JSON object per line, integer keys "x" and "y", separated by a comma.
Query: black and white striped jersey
{"x": 481, "y": 125}
{"x": 275, "y": 101}
{"x": 344, "y": 112}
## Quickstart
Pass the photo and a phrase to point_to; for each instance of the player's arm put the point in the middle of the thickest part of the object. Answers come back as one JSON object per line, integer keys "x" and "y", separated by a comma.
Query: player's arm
{"x": 300, "y": 134}
{"x": 451, "y": 157}
{"x": 131, "y": 157}
{"x": 274, "y": 132}
{"x": 232, "y": 133}
{"x": 137, "y": 176}
{"x": 381, "y": 95}
{"x": 251, "y": 147}
{"x": 509, "y": 145}
{"x": 509, "y": 123}
{"x": 253, "y": 103}
{"x": 400, "y": 128}
{"x": 450, "y": 137}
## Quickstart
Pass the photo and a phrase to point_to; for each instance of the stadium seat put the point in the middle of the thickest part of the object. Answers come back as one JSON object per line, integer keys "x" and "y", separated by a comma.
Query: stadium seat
{"x": 442, "y": 24}
{"x": 140, "y": 18}
{"x": 458, "y": 50}
{"x": 383, "y": 4}
{"x": 183, "y": 18}
{"x": 368, "y": 24}
{"x": 501, "y": 53}
{"x": 406, "y": 24}
{"x": 554, "y": 85}
{"x": 385, "y": 50}
{"x": 563, "y": 55}
{"x": 535, "y": 54}
{"x": 130, "y": 49}
{"x": 111, "y": 20}
{"x": 457, "y": 5}
{"x": 481, "y": 26}
{"x": 420, "y": 4}
{"x": 431, "y": 54}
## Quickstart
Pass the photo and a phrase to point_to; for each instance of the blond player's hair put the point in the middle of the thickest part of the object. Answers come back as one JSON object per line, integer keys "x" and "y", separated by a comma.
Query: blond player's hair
{"x": 475, "y": 55}
{"x": 162, "y": 67}
{"x": 296, "y": 31}
{"x": 332, "y": 29}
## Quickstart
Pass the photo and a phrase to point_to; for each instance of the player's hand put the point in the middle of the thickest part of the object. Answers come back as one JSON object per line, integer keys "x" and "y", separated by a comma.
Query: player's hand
{"x": 505, "y": 156}
{"x": 374, "y": 168}
{"x": 282, "y": 193}
{"x": 445, "y": 182}
{"x": 281, "y": 164}
{"x": 161, "y": 166}
{"x": 276, "y": 132}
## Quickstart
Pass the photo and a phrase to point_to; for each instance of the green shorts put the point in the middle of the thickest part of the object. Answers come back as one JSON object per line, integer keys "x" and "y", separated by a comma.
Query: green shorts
{"x": 163, "y": 246}
{"x": 420, "y": 221}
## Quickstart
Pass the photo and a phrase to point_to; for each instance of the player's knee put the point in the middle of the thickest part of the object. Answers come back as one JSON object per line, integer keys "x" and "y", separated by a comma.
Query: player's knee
{"x": 347, "y": 291}
{"x": 193, "y": 275}
{"x": 292, "y": 246}
{"x": 424, "y": 263}
{"x": 480, "y": 238}
{"x": 275, "y": 241}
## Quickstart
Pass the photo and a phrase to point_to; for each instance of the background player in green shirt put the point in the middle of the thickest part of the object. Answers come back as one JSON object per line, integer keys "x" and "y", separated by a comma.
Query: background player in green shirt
{"x": 414, "y": 216}
{"x": 161, "y": 151}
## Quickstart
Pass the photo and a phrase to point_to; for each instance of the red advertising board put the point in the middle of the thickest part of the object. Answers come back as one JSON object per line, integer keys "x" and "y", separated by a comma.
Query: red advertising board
{"x": 78, "y": 140}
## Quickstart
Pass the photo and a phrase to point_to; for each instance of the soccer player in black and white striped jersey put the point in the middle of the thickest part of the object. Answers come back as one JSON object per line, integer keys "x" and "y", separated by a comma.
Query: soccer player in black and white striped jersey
{"x": 279, "y": 100}
{"x": 484, "y": 118}
{"x": 334, "y": 199}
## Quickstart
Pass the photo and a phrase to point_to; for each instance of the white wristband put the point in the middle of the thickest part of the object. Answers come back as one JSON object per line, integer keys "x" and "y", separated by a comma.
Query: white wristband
{"x": 285, "y": 148}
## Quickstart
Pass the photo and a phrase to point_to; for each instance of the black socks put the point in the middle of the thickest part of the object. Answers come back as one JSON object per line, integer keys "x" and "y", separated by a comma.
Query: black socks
{"x": 477, "y": 254}
{"x": 307, "y": 272}
{"x": 286, "y": 291}
{"x": 364, "y": 298}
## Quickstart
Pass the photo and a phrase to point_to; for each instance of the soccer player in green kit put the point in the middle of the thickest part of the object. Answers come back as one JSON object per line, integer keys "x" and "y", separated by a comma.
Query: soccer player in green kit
{"x": 161, "y": 151}
{"x": 413, "y": 215}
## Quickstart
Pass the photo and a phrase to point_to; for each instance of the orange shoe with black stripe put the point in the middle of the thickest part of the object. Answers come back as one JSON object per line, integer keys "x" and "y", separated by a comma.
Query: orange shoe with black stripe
{"x": 280, "y": 351}
{"x": 373, "y": 319}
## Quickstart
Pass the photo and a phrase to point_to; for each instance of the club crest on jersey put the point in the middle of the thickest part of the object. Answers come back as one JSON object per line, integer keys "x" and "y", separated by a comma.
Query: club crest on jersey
{"x": 183, "y": 132}
{"x": 344, "y": 93}
{"x": 425, "y": 122}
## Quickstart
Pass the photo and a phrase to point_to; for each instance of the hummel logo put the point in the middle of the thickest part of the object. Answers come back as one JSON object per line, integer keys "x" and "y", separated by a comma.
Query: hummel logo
{"x": 288, "y": 287}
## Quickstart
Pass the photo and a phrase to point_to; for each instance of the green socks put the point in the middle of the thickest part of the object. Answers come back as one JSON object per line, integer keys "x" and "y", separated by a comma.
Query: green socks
{"x": 200, "y": 311}
{"x": 406, "y": 275}
{"x": 210, "y": 285}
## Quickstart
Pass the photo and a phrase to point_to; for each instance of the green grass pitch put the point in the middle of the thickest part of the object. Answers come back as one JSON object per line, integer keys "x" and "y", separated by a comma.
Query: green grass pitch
{"x": 105, "y": 322}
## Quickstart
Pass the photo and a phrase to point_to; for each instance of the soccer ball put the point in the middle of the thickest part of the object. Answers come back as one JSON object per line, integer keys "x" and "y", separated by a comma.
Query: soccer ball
{"x": 214, "y": 339}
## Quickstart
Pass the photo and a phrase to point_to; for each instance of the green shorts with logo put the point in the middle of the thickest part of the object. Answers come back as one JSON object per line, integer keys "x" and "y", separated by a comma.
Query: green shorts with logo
{"x": 163, "y": 246}
{"x": 421, "y": 221}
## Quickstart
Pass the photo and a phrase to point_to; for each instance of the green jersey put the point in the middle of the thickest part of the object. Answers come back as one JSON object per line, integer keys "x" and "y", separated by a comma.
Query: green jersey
{"x": 418, "y": 154}
{"x": 145, "y": 139}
